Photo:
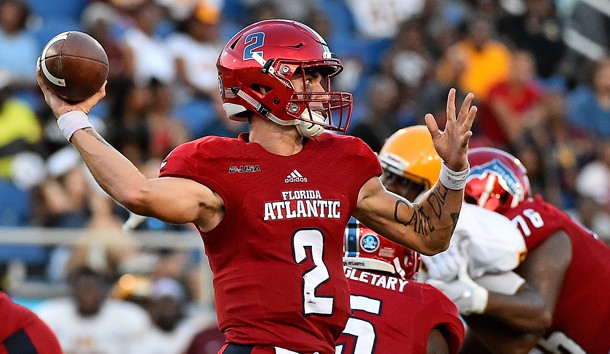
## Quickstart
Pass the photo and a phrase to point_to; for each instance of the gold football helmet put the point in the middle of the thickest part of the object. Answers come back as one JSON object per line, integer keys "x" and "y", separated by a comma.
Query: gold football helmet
{"x": 410, "y": 162}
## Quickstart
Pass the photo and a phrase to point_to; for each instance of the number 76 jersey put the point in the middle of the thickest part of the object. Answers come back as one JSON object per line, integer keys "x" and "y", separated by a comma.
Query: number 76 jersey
{"x": 581, "y": 320}
{"x": 277, "y": 254}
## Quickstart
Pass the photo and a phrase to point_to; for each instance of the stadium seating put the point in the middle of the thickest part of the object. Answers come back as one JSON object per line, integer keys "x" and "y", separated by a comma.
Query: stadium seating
{"x": 15, "y": 212}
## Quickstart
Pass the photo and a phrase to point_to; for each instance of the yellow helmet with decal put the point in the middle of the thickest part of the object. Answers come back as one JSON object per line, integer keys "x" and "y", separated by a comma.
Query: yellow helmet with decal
{"x": 410, "y": 153}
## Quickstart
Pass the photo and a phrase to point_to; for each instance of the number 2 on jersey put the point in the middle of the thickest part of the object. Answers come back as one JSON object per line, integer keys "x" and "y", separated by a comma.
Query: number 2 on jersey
{"x": 314, "y": 240}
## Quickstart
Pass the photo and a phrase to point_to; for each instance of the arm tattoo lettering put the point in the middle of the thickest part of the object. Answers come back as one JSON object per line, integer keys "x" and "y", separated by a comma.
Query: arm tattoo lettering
{"x": 419, "y": 220}
{"x": 454, "y": 218}
{"x": 398, "y": 202}
{"x": 93, "y": 133}
{"x": 437, "y": 199}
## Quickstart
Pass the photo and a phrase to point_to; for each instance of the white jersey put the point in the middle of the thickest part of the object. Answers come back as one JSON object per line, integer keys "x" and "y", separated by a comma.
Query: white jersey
{"x": 490, "y": 245}
{"x": 490, "y": 241}
{"x": 116, "y": 327}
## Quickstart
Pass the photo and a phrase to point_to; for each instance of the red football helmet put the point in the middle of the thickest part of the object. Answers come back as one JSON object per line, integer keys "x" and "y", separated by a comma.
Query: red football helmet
{"x": 365, "y": 249}
{"x": 497, "y": 179}
{"x": 257, "y": 64}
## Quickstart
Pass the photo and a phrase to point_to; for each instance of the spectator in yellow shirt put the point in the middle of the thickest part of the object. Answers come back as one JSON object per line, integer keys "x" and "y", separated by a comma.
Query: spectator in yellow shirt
{"x": 486, "y": 60}
{"x": 19, "y": 129}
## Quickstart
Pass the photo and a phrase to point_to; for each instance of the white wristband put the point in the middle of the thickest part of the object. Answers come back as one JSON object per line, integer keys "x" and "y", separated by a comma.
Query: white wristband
{"x": 72, "y": 121}
{"x": 451, "y": 179}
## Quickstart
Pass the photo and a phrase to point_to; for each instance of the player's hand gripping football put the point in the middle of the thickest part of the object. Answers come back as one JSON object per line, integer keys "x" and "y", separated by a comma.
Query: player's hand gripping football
{"x": 452, "y": 143}
{"x": 61, "y": 106}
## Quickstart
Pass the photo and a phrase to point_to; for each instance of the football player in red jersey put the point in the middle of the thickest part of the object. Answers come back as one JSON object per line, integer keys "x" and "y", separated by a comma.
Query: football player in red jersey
{"x": 565, "y": 262}
{"x": 22, "y": 331}
{"x": 389, "y": 308}
{"x": 477, "y": 270}
{"x": 272, "y": 205}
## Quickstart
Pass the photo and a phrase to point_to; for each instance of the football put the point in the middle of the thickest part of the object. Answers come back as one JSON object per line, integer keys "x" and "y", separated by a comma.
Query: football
{"x": 74, "y": 65}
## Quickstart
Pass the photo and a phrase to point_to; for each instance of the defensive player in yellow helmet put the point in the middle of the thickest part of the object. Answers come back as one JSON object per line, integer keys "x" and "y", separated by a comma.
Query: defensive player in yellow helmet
{"x": 476, "y": 272}
{"x": 382, "y": 274}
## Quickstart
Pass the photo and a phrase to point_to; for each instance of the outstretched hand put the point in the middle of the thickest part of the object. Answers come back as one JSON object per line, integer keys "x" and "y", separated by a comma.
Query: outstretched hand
{"x": 452, "y": 143}
{"x": 61, "y": 106}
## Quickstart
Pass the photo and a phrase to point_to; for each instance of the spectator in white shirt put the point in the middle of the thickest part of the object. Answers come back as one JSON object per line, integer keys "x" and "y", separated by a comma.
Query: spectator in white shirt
{"x": 173, "y": 327}
{"x": 89, "y": 322}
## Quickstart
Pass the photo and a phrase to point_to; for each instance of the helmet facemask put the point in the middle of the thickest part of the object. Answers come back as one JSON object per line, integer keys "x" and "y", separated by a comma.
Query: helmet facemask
{"x": 311, "y": 112}
{"x": 327, "y": 109}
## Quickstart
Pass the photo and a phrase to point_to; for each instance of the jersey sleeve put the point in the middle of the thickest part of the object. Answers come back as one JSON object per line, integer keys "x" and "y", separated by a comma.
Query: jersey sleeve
{"x": 365, "y": 162}
{"x": 15, "y": 316}
{"x": 442, "y": 312}
{"x": 197, "y": 160}
{"x": 537, "y": 220}
{"x": 179, "y": 162}
{"x": 355, "y": 162}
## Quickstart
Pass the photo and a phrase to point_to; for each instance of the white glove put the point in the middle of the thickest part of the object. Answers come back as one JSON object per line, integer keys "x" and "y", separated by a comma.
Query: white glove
{"x": 446, "y": 265}
{"x": 468, "y": 296}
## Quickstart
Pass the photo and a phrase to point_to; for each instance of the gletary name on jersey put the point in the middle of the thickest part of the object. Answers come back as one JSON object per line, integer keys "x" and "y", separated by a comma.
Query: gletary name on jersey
{"x": 382, "y": 281}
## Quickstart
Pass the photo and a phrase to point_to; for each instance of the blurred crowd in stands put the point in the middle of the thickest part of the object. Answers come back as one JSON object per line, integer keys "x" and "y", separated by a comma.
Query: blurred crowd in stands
{"x": 540, "y": 70}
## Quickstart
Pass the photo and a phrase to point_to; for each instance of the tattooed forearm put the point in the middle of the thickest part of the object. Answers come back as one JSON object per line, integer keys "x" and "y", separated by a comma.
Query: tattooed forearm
{"x": 429, "y": 215}
{"x": 93, "y": 133}
{"x": 437, "y": 199}
{"x": 454, "y": 218}
{"x": 398, "y": 202}
{"x": 419, "y": 220}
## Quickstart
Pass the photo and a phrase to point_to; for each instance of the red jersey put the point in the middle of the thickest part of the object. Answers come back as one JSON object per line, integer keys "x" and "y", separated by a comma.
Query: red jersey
{"x": 22, "y": 331}
{"x": 277, "y": 254}
{"x": 582, "y": 313}
{"x": 391, "y": 313}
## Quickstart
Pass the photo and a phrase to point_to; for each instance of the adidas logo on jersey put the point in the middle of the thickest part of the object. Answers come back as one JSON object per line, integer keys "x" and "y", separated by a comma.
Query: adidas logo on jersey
{"x": 295, "y": 176}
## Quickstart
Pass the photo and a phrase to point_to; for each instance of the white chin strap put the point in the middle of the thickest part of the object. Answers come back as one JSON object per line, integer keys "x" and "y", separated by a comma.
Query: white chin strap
{"x": 308, "y": 129}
